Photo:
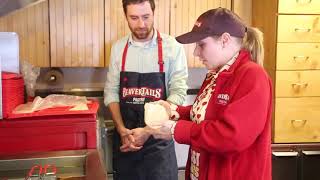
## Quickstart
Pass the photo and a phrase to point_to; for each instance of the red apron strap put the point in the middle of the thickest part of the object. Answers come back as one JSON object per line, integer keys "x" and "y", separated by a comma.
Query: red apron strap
{"x": 160, "y": 55}
{"x": 124, "y": 57}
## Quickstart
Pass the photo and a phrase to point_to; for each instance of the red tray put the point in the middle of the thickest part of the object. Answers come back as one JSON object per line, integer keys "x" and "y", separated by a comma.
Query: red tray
{"x": 59, "y": 111}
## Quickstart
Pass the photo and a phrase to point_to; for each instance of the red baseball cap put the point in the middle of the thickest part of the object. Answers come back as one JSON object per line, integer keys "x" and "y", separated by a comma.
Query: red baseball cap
{"x": 214, "y": 22}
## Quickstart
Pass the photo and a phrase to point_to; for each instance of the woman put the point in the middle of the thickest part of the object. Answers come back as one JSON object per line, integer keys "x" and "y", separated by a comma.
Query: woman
{"x": 228, "y": 127}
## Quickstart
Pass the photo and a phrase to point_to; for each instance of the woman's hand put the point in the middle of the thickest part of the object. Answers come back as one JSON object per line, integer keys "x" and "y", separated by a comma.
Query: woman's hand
{"x": 166, "y": 105}
{"x": 165, "y": 131}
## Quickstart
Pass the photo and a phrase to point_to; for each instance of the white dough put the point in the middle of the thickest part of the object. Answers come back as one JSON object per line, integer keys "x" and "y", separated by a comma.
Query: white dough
{"x": 155, "y": 115}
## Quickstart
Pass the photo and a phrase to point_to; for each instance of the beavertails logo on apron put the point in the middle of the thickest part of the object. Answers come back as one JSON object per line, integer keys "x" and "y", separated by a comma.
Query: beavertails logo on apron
{"x": 142, "y": 92}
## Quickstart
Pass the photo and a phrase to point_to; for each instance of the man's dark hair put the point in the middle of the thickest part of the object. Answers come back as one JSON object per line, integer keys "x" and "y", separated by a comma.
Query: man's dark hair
{"x": 125, "y": 3}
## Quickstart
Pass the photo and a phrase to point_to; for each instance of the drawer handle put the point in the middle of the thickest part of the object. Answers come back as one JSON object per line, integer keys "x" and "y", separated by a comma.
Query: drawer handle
{"x": 285, "y": 154}
{"x": 302, "y": 2}
{"x": 298, "y": 122}
{"x": 299, "y": 85}
{"x": 302, "y": 29}
{"x": 304, "y": 58}
{"x": 311, "y": 153}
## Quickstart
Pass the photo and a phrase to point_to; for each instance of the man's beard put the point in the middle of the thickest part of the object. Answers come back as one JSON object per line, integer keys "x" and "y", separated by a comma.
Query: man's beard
{"x": 142, "y": 33}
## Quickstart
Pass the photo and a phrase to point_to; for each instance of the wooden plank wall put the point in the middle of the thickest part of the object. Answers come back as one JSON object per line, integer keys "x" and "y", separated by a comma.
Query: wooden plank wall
{"x": 82, "y": 31}
{"x": 184, "y": 13}
{"x": 77, "y": 33}
{"x": 32, "y": 26}
{"x": 244, "y": 9}
{"x": 116, "y": 25}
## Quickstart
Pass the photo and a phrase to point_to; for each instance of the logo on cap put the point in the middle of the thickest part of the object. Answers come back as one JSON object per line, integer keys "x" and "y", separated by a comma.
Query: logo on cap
{"x": 198, "y": 24}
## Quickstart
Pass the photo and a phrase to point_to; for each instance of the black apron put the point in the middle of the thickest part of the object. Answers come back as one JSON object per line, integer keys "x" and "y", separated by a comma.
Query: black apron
{"x": 157, "y": 159}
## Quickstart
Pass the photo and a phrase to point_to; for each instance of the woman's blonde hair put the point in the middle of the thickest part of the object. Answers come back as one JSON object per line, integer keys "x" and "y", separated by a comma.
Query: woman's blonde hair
{"x": 253, "y": 42}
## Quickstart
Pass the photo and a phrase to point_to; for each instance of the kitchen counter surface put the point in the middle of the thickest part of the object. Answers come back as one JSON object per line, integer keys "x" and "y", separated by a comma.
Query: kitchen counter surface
{"x": 71, "y": 165}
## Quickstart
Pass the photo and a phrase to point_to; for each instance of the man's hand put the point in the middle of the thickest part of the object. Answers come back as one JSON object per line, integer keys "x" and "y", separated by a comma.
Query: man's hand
{"x": 140, "y": 135}
{"x": 127, "y": 141}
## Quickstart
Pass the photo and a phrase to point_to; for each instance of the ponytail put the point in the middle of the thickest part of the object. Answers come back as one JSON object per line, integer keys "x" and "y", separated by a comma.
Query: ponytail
{"x": 253, "y": 42}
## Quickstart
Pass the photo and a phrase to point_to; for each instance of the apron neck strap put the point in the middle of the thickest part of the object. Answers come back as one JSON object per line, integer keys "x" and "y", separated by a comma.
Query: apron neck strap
{"x": 160, "y": 55}
{"x": 124, "y": 56}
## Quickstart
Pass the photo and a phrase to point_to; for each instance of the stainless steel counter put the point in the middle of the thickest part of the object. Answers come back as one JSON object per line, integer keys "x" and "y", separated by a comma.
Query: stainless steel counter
{"x": 109, "y": 129}
{"x": 68, "y": 163}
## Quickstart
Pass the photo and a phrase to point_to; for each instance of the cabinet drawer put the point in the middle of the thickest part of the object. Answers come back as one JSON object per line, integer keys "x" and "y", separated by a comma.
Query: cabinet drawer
{"x": 297, "y": 120}
{"x": 299, "y": 28}
{"x": 299, "y": 6}
{"x": 298, "y": 56}
{"x": 297, "y": 83}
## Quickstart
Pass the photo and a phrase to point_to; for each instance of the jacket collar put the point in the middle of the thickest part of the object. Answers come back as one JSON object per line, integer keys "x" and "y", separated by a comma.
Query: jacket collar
{"x": 243, "y": 57}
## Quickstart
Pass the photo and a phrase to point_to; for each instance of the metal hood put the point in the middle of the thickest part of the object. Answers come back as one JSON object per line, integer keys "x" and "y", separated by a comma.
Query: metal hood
{"x": 7, "y": 6}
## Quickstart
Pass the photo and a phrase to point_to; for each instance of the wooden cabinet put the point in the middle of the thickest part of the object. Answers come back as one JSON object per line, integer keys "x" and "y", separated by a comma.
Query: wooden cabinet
{"x": 297, "y": 119}
{"x": 76, "y": 33}
{"x": 32, "y": 26}
{"x": 292, "y": 37}
{"x": 297, "y": 83}
{"x": 298, "y": 28}
{"x": 299, "y": 6}
{"x": 298, "y": 56}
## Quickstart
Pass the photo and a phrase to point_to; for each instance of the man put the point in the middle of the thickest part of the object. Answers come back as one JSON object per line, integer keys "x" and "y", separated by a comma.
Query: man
{"x": 145, "y": 66}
